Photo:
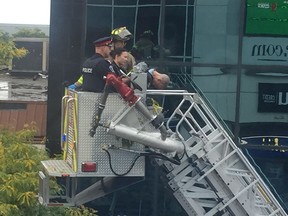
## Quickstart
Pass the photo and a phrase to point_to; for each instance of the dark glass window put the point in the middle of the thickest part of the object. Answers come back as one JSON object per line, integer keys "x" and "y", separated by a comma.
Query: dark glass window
{"x": 144, "y": 2}
{"x": 99, "y": 2}
{"x": 124, "y": 16}
{"x": 125, "y": 2}
{"x": 179, "y": 2}
{"x": 146, "y": 33}
{"x": 176, "y": 27}
{"x": 98, "y": 25}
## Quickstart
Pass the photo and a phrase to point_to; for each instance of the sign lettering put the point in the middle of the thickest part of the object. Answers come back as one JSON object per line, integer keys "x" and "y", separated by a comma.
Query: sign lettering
{"x": 273, "y": 97}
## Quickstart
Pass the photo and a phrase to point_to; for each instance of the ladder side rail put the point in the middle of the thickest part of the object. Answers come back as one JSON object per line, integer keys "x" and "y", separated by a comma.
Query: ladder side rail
{"x": 43, "y": 195}
{"x": 193, "y": 105}
{"x": 63, "y": 119}
{"x": 70, "y": 132}
{"x": 178, "y": 169}
{"x": 196, "y": 197}
{"x": 189, "y": 189}
{"x": 247, "y": 175}
{"x": 200, "y": 130}
{"x": 175, "y": 112}
{"x": 190, "y": 206}
{"x": 214, "y": 147}
{"x": 266, "y": 191}
{"x": 243, "y": 158}
{"x": 184, "y": 119}
{"x": 243, "y": 177}
{"x": 201, "y": 112}
{"x": 233, "y": 145}
{"x": 224, "y": 195}
{"x": 219, "y": 188}
{"x": 241, "y": 184}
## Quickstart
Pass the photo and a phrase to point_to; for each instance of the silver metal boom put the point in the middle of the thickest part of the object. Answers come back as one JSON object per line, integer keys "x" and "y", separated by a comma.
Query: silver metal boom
{"x": 214, "y": 176}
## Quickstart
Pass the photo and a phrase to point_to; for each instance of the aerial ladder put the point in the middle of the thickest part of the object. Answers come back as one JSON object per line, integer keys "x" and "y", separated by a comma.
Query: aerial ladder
{"x": 105, "y": 135}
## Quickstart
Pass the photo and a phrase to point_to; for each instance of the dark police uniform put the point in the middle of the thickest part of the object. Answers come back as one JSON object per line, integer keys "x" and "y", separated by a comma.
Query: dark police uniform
{"x": 117, "y": 70}
{"x": 95, "y": 69}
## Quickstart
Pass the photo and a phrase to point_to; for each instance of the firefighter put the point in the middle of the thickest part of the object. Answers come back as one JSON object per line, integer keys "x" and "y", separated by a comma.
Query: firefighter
{"x": 143, "y": 49}
{"x": 120, "y": 36}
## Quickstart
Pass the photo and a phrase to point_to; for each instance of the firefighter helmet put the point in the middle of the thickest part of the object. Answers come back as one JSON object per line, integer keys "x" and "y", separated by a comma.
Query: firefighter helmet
{"x": 147, "y": 34}
{"x": 121, "y": 33}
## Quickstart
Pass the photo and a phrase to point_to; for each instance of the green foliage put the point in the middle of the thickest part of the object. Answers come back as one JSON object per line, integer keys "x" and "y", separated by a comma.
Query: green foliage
{"x": 19, "y": 166}
{"x": 8, "y": 209}
{"x": 30, "y": 33}
{"x": 8, "y": 50}
{"x": 80, "y": 211}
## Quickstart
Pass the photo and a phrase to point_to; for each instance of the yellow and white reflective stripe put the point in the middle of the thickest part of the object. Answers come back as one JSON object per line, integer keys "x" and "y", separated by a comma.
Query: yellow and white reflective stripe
{"x": 75, "y": 135}
{"x": 117, "y": 30}
{"x": 157, "y": 109}
{"x": 65, "y": 113}
{"x": 80, "y": 80}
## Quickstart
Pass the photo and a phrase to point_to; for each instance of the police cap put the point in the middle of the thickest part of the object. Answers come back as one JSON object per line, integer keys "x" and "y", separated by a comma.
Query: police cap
{"x": 105, "y": 41}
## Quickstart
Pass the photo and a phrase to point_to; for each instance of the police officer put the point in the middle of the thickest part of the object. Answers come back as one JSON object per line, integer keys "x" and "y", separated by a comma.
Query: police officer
{"x": 119, "y": 38}
{"x": 96, "y": 67}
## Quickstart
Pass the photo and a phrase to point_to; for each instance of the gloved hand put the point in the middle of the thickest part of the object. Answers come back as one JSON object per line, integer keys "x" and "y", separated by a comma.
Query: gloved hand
{"x": 73, "y": 86}
{"x": 141, "y": 67}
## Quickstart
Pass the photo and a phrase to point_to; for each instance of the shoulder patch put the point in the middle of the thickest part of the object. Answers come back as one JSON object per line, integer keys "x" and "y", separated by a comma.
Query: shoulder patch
{"x": 111, "y": 68}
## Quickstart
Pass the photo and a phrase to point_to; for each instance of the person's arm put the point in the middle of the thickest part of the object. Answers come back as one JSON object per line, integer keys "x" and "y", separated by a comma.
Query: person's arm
{"x": 77, "y": 84}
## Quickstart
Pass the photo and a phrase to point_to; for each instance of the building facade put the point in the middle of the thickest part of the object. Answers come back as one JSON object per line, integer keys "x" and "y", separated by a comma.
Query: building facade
{"x": 234, "y": 52}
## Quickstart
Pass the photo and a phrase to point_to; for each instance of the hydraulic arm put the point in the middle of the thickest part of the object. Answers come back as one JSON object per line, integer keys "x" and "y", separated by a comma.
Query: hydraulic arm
{"x": 128, "y": 94}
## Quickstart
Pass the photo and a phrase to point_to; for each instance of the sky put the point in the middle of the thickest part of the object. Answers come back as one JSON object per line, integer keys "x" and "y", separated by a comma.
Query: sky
{"x": 25, "y": 12}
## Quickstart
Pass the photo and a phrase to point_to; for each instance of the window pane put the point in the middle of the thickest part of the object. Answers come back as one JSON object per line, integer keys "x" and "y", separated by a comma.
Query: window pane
{"x": 100, "y": 2}
{"x": 179, "y": 2}
{"x": 125, "y": 17}
{"x": 216, "y": 33}
{"x": 125, "y": 2}
{"x": 96, "y": 29}
{"x": 145, "y": 2}
{"x": 263, "y": 105}
{"x": 219, "y": 86}
{"x": 178, "y": 32}
{"x": 146, "y": 34}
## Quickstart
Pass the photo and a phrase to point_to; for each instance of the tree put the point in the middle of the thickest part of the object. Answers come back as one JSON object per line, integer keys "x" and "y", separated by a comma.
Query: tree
{"x": 8, "y": 49}
{"x": 30, "y": 32}
{"x": 19, "y": 166}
